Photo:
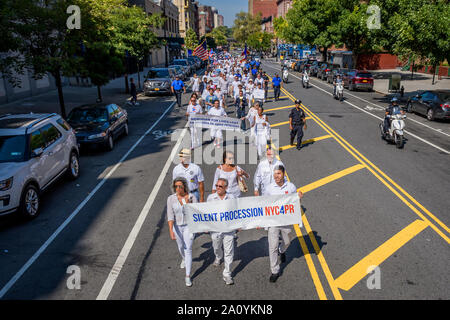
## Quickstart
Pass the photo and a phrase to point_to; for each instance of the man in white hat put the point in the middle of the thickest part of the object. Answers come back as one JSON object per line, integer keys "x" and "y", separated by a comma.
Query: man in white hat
{"x": 192, "y": 173}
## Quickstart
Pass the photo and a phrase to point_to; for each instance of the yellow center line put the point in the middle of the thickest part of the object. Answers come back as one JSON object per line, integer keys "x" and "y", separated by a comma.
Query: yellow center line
{"x": 283, "y": 123}
{"x": 369, "y": 167}
{"x": 331, "y": 178}
{"x": 305, "y": 142}
{"x": 279, "y": 108}
{"x": 282, "y": 97}
{"x": 307, "y": 254}
{"x": 353, "y": 275}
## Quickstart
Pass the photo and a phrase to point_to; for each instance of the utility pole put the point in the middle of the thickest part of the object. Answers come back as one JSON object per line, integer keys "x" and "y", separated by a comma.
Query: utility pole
{"x": 165, "y": 39}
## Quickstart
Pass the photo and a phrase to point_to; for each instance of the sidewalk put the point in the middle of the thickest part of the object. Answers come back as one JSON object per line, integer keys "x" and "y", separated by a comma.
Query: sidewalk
{"x": 420, "y": 82}
{"x": 48, "y": 102}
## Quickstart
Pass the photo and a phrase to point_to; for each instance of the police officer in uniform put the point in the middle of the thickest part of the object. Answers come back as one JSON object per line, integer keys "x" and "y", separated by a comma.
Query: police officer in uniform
{"x": 276, "y": 84}
{"x": 177, "y": 86}
{"x": 192, "y": 173}
{"x": 296, "y": 123}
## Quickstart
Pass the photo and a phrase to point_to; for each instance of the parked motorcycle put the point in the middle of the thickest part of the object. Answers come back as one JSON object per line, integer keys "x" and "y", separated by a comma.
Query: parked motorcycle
{"x": 395, "y": 132}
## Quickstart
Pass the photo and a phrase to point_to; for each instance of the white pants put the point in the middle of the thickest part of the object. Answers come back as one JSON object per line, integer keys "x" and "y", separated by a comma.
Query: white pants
{"x": 184, "y": 242}
{"x": 227, "y": 240}
{"x": 216, "y": 133}
{"x": 275, "y": 246}
{"x": 261, "y": 143}
{"x": 195, "y": 137}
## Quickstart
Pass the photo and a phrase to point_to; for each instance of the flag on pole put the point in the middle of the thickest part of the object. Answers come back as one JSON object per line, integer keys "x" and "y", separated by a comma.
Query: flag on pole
{"x": 244, "y": 53}
{"x": 201, "y": 51}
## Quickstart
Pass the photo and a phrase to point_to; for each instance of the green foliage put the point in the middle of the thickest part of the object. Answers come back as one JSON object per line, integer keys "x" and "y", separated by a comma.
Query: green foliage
{"x": 260, "y": 41}
{"x": 220, "y": 38}
{"x": 245, "y": 25}
{"x": 191, "y": 40}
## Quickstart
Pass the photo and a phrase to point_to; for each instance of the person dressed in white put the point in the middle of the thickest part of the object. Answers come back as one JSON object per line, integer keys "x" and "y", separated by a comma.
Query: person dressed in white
{"x": 235, "y": 84}
{"x": 279, "y": 186}
{"x": 252, "y": 113}
{"x": 259, "y": 79}
{"x": 193, "y": 109}
{"x": 264, "y": 173}
{"x": 195, "y": 83}
{"x": 178, "y": 228}
{"x": 258, "y": 94}
{"x": 229, "y": 171}
{"x": 223, "y": 241}
{"x": 192, "y": 173}
{"x": 218, "y": 111}
{"x": 249, "y": 90}
{"x": 219, "y": 94}
{"x": 262, "y": 131}
{"x": 223, "y": 85}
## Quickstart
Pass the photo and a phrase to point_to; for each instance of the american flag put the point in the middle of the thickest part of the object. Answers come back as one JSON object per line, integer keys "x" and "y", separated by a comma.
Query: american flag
{"x": 201, "y": 51}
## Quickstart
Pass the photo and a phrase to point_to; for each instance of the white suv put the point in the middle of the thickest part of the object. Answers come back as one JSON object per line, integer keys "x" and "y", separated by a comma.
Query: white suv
{"x": 35, "y": 150}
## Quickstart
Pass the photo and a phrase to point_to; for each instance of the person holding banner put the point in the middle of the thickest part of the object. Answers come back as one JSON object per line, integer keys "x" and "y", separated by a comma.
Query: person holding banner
{"x": 279, "y": 186}
{"x": 193, "y": 109}
{"x": 264, "y": 173}
{"x": 178, "y": 228}
{"x": 258, "y": 94}
{"x": 223, "y": 241}
{"x": 231, "y": 172}
{"x": 217, "y": 111}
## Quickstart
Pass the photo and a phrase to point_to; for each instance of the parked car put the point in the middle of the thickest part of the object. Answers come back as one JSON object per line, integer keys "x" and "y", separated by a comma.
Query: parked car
{"x": 183, "y": 63}
{"x": 336, "y": 71}
{"x": 179, "y": 71}
{"x": 195, "y": 62}
{"x": 159, "y": 80}
{"x": 322, "y": 70}
{"x": 358, "y": 79}
{"x": 314, "y": 69}
{"x": 35, "y": 150}
{"x": 192, "y": 64}
{"x": 98, "y": 124}
{"x": 298, "y": 65}
{"x": 434, "y": 104}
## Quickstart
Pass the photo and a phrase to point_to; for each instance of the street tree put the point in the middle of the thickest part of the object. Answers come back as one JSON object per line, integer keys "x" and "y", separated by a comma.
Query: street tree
{"x": 191, "y": 40}
{"x": 245, "y": 25}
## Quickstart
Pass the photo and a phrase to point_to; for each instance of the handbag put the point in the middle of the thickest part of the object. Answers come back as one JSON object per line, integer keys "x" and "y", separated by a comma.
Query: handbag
{"x": 242, "y": 185}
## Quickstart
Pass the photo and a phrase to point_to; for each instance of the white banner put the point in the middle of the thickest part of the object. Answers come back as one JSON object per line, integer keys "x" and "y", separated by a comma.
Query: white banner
{"x": 213, "y": 122}
{"x": 243, "y": 213}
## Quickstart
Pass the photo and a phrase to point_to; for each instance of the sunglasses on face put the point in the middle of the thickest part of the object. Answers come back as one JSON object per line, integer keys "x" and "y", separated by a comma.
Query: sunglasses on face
{"x": 219, "y": 186}
{"x": 179, "y": 186}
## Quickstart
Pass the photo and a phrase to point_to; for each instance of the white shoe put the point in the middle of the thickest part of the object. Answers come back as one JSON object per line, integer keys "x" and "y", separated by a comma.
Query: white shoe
{"x": 188, "y": 281}
{"x": 182, "y": 264}
{"x": 228, "y": 280}
{"x": 216, "y": 262}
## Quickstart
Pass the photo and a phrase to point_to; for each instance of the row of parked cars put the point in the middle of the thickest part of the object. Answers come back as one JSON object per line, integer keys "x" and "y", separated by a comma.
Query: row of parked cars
{"x": 159, "y": 80}
{"x": 353, "y": 79}
{"x": 37, "y": 149}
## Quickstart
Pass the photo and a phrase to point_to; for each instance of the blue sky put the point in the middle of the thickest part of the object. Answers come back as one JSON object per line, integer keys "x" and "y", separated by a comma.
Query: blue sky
{"x": 227, "y": 8}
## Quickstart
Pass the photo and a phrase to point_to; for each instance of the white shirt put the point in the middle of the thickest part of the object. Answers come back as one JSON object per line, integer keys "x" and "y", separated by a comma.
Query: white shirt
{"x": 193, "y": 109}
{"x": 217, "y": 112}
{"x": 195, "y": 84}
{"x": 215, "y": 197}
{"x": 193, "y": 175}
{"x": 258, "y": 94}
{"x": 231, "y": 176}
{"x": 264, "y": 174}
{"x": 260, "y": 80}
{"x": 223, "y": 85}
{"x": 286, "y": 188}
{"x": 235, "y": 85}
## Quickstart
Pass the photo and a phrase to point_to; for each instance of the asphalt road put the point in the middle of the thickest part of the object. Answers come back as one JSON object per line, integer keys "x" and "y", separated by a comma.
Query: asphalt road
{"x": 365, "y": 203}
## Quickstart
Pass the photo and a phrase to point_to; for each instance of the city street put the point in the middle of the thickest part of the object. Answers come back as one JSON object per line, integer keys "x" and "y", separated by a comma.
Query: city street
{"x": 366, "y": 203}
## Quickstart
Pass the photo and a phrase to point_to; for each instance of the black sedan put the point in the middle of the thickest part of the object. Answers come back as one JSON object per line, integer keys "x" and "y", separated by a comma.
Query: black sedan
{"x": 98, "y": 124}
{"x": 433, "y": 104}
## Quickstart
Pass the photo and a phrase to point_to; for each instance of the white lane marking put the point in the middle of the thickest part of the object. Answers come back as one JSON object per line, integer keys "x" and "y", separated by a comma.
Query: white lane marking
{"x": 120, "y": 261}
{"x": 36, "y": 255}
{"x": 411, "y": 134}
{"x": 380, "y": 107}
